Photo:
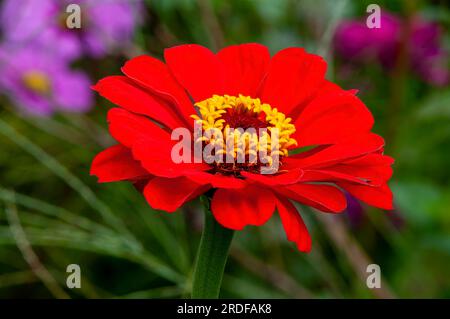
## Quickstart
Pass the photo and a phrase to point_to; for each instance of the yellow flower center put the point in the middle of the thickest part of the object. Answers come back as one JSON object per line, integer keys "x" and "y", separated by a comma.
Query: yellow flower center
{"x": 250, "y": 125}
{"x": 37, "y": 82}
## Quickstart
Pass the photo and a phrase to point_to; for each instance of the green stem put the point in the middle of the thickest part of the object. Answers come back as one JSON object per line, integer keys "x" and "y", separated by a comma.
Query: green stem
{"x": 211, "y": 258}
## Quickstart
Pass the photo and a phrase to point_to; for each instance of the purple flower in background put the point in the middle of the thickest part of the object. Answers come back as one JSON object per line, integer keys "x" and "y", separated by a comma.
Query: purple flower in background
{"x": 355, "y": 42}
{"x": 428, "y": 58}
{"x": 40, "y": 84}
{"x": 105, "y": 24}
{"x": 355, "y": 211}
{"x": 357, "y": 214}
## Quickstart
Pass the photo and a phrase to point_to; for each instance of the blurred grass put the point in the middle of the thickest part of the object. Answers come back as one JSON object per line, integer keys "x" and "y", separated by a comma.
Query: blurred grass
{"x": 127, "y": 250}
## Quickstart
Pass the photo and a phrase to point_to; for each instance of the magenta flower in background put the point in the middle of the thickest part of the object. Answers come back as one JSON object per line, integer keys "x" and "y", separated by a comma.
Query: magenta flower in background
{"x": 105, "y": 25}
{"x": 427, "y": 55}
{"x": 355, "y": 211}
{"x": 39, "y": 83}
{"x": 356, "y": 43}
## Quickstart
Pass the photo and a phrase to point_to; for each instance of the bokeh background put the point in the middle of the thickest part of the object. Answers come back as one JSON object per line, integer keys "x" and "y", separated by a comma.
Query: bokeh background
{"x": 52, "y": 213}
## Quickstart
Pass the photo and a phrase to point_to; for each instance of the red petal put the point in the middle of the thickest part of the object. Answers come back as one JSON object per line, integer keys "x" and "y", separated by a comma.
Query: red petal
{"x": 150, "y": 144}
{"x": 155, "y": 75}
{"x": 331, "y": 176}
{"x": 325, "y": 88}
{"x": 293, "y": 76}
{"x": 284, "y": 178}
{"x": 115, "y": 164}
{"x": 155, "y": 157}
{"x": 380, "y": 197}
{"x": 245, "y": 66}
{"x": 127, "y": 128}
{"x": 293, "y": 225}
{"x": 323, "y": 197}
{"x": 353, "y": 147}
{"x": 216, "y": 180}
{"x": 371, "y": 167}
{"x": 236, "y": 209}
{"x": 197, "y": 69}
{"x": 127, "y": 94}
{"x": 332, "y": 118}
{"x": 328, "y": 87}
{"x": 169, "y": 194}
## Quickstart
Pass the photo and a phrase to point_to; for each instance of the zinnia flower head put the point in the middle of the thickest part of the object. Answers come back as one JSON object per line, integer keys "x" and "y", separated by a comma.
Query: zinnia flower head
{"x": 39, "y": 83}
{"x": 105, "y": 24}
{"x": 325, "y": 144}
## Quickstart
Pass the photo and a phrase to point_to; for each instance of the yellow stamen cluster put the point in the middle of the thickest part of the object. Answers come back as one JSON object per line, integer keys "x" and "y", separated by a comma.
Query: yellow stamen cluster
{"x": 214, "y": 112}
{"x": 37, "y": 81}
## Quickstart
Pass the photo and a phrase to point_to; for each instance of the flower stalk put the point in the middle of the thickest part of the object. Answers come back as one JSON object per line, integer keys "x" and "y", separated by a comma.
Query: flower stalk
{"x": 211, "y": 257}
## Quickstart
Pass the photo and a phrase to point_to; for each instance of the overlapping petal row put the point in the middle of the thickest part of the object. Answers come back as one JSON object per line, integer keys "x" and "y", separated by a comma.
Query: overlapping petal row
{"x": 154, "y": 97}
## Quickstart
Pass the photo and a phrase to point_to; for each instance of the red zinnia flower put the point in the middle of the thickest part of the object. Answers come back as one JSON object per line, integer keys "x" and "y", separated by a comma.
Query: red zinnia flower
{"x": 243, "y": 86}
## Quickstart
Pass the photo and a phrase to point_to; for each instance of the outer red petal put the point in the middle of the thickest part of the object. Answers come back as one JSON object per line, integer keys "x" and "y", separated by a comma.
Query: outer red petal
{"x": 236, "y": 209}
{"x": 294, "y": 75}
{"x": 323, "y": 197}
{"x": 325, "y": 88}
{"x": 332, "y": 118}
{"x": 293, "y": 224}
{"x": 245, "y": 67}
{"x": 373, "y": 167}
{"x": 129, "y": 95}
{"x": 115, "y": 164}
{"x": 380, "y": 197}
{"x": 156, "y": 158}
{"x": 372, "y": 170}
{"x": 197, "y": 69}
{"x": 353, "y": 147}
{"x": 127, "y": 128}
{"x": 328, "y": 87}
{"x": 331, "y": 176}
{"x": 155, "y": 75}
{"x": 169, "y": 194}
{"x": 150, "y": 144}
{"x": 284, "y": 178}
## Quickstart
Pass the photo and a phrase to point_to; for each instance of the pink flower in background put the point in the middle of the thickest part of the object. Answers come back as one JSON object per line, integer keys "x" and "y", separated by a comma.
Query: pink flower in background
{"x": 105, "y": 25}
{"x": 39, "y": 83}
{"x": 355, "y": 42}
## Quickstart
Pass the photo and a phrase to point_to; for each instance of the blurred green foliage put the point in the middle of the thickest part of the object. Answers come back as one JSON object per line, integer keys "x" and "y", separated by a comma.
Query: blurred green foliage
{"x": 125, "y": 249}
